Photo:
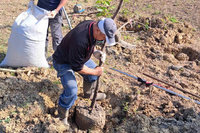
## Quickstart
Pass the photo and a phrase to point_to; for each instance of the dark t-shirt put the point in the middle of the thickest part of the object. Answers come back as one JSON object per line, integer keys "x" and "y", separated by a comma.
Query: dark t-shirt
{"x": 76, "y": 47}
{"x": 49, "y": 5}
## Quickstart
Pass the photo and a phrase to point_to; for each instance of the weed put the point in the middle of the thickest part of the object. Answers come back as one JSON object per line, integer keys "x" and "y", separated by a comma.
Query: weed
{"x": 126, "y": 1}
{"x": 12, "y": 73}
{"x": 135, "y": 110}
{"x": 57, "y": 82}
{"x": 126, "y": 37}
{"x": 106, "y": 62}
{"x": 13, "y": 112}
{"x": 194, "y": 30}
{"x": 52, "y": 67}
{"x": 125, "y": 12}
{"x": 146, "y": 26}
{"x": 149, "y": 6}
{"x": 138, "y": 92}
{"x": 125, "y": 106}
{"x": 173, "y": 20}
{"x": 156, "y": 13}
{"x": 113, "y": 79}
{"x": 139, "y": 26}
{"x": 105, "y": 71}
{"x": 103, "y": 6}
{"x": 7, "y": 120}
{"x": 164, "y": 21}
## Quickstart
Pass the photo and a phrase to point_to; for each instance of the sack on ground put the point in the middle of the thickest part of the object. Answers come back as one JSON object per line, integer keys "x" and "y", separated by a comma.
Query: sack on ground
{"x": 26, "y": 45}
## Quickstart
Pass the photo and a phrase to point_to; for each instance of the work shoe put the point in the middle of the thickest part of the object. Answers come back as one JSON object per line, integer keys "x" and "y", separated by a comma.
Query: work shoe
{"x": 63, "y": 115}
{"x": 88, "y": 89}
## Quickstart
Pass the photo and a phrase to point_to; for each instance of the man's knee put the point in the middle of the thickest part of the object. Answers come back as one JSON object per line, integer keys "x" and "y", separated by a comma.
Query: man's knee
{"x": 70, "y": 90}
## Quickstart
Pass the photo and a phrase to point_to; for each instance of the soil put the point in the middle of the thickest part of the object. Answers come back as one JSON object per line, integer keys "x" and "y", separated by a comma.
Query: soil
{"x": 166, "y": 39}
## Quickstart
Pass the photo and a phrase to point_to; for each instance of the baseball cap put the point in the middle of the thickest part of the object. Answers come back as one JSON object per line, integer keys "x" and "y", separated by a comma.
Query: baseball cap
{"x": 108, "y": 27}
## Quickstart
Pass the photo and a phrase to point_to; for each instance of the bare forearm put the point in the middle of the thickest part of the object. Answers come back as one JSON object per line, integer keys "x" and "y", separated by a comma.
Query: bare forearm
{"x": 62, "y": 3}
{"x": 89, "y": 71}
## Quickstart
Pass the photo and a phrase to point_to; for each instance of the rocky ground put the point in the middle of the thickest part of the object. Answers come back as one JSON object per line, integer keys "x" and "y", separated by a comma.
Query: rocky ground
{"x": 165, "y": 38}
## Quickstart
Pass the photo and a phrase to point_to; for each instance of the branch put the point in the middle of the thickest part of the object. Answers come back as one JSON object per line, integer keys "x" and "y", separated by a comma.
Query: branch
{"x": 118, "y": 8}
{"x": 11, "y": 70}
{"x": 78, "y": 14}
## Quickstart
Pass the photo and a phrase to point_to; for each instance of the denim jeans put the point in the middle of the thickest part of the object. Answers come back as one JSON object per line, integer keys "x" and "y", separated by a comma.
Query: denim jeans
{"x": 68, "y": 80}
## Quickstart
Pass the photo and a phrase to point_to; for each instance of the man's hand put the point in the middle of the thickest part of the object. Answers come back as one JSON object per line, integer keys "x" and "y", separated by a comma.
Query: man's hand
{"x": 100, "y": 55}
{"x": 99, "y": 71}
{"x": 52, "y": 14}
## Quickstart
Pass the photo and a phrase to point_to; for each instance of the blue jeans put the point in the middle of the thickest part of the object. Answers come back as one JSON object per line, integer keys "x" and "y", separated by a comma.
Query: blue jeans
{"x": 68, "y": 80}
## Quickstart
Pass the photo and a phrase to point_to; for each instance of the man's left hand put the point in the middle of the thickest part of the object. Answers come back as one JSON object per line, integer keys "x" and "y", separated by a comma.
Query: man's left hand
{"x": 100, "y": 55}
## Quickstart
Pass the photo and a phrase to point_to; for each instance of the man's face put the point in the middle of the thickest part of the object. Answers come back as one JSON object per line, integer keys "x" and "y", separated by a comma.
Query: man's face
{"x": 101, "y": 36}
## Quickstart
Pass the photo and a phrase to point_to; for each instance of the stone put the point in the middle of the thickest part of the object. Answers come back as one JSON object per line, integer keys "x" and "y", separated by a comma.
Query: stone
{"x": 86, "y": 120}
{"x": 182, "y": 57}
{"x": 176, "y": 67}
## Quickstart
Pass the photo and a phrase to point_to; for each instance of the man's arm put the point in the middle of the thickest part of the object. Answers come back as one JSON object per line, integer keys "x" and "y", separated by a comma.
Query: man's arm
{"x": 62, "y": 3}
{"x": 89, "y": 71}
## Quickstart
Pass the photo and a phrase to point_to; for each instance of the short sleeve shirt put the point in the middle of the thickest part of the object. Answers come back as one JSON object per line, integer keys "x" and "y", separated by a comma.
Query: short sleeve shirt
{"x": 76, "y": 47}
{"x": 49, "y": 5}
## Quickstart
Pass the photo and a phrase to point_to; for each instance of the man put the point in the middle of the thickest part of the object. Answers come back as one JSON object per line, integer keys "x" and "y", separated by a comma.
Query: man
{"x": 55, "y": 20}
{"x": 73, "y": 55}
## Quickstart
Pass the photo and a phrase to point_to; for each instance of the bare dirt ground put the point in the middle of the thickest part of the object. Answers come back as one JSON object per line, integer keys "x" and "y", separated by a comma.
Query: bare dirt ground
{"x": 166, "y": 39}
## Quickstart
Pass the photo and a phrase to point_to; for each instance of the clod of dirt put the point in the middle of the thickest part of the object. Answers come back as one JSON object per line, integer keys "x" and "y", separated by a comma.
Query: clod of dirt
{"x": 182, "y": 57}
{"x": 85, "y": 120}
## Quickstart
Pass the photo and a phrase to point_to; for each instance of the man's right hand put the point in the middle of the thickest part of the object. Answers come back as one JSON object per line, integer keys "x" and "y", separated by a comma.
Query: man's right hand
{"x": 99, "y": 71}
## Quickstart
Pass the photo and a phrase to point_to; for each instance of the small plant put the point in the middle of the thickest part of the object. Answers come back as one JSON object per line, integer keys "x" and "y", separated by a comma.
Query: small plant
{"x": 135, "y": 110}
{"x": 149, "y": 6}
{"x": 139, "y": 26}
{"x": 105, "y": 71}
{"x": 157, "y": 13}
{"x": 57, "y": 82}
{"x": 138, "y": 38}
{"x": 51, "y": 67}
{"x": 125, "y": 11}
{"x": 126, "y": 37}
{"x": 173, "y": 20}
{"x": 12, "y": 73}
{"x": 106, "y": 62}
{"x": 125, "y": 106}
{"x": 194, "y": 30}
{"x": 138, "y": 92}
{"x": 7, "y": 120}
{"x": 104, "y": 8}
{"x": 146, "y": 25}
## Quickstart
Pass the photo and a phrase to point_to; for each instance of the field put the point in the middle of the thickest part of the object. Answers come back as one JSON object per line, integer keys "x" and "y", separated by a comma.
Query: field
{"x": 164, "y": 35}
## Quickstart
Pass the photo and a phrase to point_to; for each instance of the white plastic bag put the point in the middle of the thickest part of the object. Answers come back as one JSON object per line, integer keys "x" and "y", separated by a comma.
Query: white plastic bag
{"x": 26, "y": 45}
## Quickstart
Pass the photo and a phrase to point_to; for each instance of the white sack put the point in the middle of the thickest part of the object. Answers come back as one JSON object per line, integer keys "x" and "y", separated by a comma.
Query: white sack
{"x": 26, "y": 45}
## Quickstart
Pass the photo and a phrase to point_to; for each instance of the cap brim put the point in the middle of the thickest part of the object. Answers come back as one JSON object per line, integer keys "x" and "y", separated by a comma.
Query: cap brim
{"x": 110, "y": 41}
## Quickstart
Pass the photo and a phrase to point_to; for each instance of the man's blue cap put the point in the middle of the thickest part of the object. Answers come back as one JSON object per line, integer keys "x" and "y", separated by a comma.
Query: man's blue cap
{"x": 108, "y": 27}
